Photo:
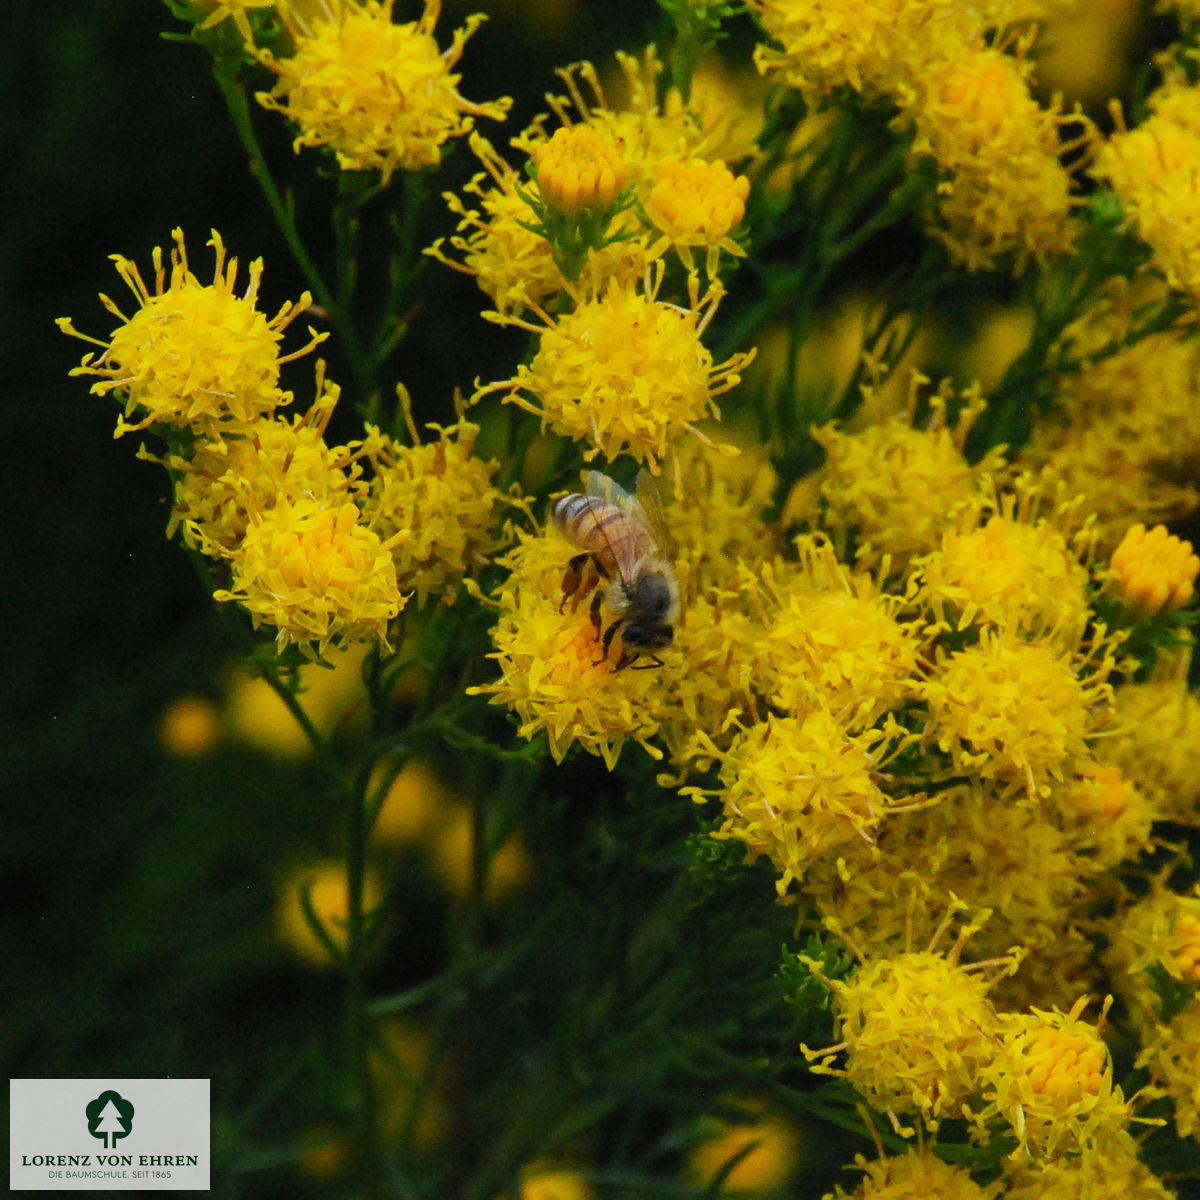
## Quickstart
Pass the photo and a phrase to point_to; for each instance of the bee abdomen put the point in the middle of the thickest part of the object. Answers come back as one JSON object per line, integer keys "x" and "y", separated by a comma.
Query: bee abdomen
{"x": 601, "y": 528}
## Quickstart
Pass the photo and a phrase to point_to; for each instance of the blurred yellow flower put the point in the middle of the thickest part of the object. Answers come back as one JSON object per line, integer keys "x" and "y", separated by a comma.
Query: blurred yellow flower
{"x": 328, "y": 892}
{"x": 415, "y": 803}
{"x": 1155, "y": 170}
{"x": 1003, "y": 189}
{"x": 1157, "y": 730}
{"x": 190, "y": 726}
{"x": 766, "y": 1145}
{"x": 508, "y": 865}
{"x": 255, "y": 716}
{"x": 1171, "y": 1052}
{"x": 381, "y": 96}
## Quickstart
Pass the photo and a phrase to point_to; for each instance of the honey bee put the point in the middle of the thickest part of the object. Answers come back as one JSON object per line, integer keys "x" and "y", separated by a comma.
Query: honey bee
{"x": 625, "y": 538}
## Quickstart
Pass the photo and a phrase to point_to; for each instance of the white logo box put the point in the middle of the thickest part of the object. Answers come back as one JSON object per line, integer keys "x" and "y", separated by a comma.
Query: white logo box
{"x": 162, "y": 1145}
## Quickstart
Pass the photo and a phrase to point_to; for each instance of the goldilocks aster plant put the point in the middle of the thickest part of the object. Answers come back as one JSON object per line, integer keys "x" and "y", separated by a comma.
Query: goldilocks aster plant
{"x": 926, "y": 721}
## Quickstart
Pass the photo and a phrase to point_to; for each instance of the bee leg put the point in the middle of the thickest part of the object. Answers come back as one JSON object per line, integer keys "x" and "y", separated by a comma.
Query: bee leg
{"x": 655, "y": 661}
{"x": 609, "y": 633}
{"x": 594, "y": 612}
{"x": 573, "y": 578}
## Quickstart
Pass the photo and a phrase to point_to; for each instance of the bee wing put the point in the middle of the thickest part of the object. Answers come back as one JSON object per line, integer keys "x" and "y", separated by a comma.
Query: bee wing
{"x": 609, "y": 491}
{"x": 653, "y": 515}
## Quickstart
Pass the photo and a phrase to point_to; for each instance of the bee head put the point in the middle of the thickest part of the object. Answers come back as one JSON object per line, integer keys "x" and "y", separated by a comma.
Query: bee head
{"x": 647, "y": 637}
{"x": 653, "y": 599}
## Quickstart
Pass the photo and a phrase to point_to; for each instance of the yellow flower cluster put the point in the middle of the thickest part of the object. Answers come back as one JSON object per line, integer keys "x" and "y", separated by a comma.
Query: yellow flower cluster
{"x": 1125, "y": 428}
{"x": 1052, "y": 1080}
{"x": 383, "y": 97}
{"x": 917, "y": 1031}
{"x": 1154, "y": 169}
{"x": 921, "y": 1037}
{"x": 620, "y": 366}
{"x": 1002, "y": 189}
{"x": 303, "y": 541}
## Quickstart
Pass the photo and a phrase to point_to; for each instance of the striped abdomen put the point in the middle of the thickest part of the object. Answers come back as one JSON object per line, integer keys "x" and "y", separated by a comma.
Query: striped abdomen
{"x": 616, "y": 541}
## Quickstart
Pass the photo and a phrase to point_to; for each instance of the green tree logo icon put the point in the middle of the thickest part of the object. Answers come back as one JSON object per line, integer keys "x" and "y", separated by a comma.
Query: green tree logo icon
{"x": 109, "y": 1116}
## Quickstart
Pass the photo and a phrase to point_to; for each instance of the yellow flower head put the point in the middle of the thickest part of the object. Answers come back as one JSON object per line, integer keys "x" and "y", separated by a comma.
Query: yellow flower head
{"x": 899, "y": 486}
{"x": 1160, "y": 932}
{"x": 698, "y": 203}
{"x": 916, "y": 1029}
{"x": 1104, "y": 813}
{"x": 624, "y": 373}
{"x": 227, "y": 480}
{"x": 1153, "y": 572}
{"x": 317, "y": 574}
{"x": 826, "y": 44}
{"x": 1003, "y": 187}
{"x": 1017, "y": 712}
{"x": 441, "y": 493}
{"x": 578, "y": 170}
{"x": 381, "y": 96}
{"x": 1171, "y": 1052}
{"x": 1108, "y": 1170}
{"x": 797, "y": 788}
{"x": 1154, "y": 744}
{"x": 1015, "y": 569}
{"x": 1052, "y": 1081}
{"x": 646, "y": 132}
{"x": 833, "y": 638}
{"x": 1125, "y": 429}
{"x": 193, "y": 355}
{"x": 512, "y": 264}
{"x": 1155, "y": 170}
{"x": 553, "y": 673}
{"x": 977, "y": 846}
{"x": 918, "y": 1174}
